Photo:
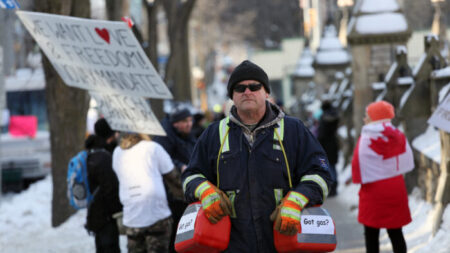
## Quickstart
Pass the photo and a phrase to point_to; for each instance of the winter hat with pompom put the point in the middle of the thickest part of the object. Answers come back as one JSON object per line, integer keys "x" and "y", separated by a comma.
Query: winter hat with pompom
{"x": 380, "y": 110}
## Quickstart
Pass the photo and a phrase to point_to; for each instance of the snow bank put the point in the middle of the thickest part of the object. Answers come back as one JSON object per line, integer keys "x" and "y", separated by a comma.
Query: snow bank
{"x": 370, "y": 6}
{"x": 25, "y": 224}
{"x": 429, "y": 144}
{"x": 381, "y": 23}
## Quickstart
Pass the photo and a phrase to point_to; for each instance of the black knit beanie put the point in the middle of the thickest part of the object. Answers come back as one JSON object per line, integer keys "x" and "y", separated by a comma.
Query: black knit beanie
{"x": 103, "y": 129}
{"x": 179, "y": 114}
{"x": 247, "y": 70}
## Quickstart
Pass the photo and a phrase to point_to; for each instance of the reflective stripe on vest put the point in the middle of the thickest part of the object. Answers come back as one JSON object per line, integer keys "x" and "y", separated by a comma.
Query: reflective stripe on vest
{"x": 278, "y": 196}
{"x": 318, "y": 180}
{"x": 278, "y": 135}
{"x": 190, "y": 178}
{"x": 223, "y": 129}
{"x": 280, "y": 131}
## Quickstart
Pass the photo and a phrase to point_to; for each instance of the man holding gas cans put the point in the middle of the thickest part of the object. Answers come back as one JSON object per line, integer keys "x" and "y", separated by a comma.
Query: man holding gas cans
{"x": 259, "y": 166}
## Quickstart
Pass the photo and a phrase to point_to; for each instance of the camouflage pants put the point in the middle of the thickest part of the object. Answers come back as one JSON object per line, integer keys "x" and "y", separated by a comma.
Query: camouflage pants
{"x": 152, "y": 239}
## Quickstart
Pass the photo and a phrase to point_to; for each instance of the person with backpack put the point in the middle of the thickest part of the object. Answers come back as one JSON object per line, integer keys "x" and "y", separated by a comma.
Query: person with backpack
{"x": 142, "y": 167}
{"x": 259, "y": 166}
{"x": 104, "y": 187}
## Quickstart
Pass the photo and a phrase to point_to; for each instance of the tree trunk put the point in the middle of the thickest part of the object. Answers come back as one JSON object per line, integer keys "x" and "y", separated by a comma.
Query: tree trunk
{"x": 152, "y": 51}
{"x": 177, "y": 75}
{"x": 114, "y": 9}
{"x": 66, "y": 110}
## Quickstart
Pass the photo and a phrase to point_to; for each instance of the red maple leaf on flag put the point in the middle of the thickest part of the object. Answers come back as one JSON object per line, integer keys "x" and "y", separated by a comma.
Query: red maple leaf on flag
{"x": 392, "y": 147}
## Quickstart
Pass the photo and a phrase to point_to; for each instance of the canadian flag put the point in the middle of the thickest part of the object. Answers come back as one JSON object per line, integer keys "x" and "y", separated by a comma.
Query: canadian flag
{"x": 382, "y": 152}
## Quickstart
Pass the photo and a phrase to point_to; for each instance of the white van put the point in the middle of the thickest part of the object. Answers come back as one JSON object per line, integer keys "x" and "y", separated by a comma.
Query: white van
{"x": 30, "y": 158}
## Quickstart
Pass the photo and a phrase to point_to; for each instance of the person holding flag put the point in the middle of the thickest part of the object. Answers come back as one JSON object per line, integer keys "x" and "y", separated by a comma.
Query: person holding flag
{"x": 381, "y": 156}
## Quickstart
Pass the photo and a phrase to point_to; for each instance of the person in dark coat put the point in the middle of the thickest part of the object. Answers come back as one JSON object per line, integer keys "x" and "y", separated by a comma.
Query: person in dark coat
{"x": 258, "y": 166}
{"x": 327, "y": 136}
{"x": 199, "y": 124}
{"x": 104, "y": 185}
{"x": 179, "y": 143}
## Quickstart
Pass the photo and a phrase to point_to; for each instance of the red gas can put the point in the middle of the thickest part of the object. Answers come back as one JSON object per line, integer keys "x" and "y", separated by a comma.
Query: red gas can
{"x": 317, "y": 234}
{"x": 195, "y": 234}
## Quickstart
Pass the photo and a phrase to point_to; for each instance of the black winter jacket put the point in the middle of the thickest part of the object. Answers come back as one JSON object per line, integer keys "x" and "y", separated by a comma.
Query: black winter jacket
{"x": 254, "y": 175}
{"x": 103, "y": 183}
{"x": 327, "y": 134}
{"x": 177, "y": 146}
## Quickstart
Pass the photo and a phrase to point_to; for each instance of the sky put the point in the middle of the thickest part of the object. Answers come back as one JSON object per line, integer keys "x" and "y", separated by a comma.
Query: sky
{"x": 25, "y": 223}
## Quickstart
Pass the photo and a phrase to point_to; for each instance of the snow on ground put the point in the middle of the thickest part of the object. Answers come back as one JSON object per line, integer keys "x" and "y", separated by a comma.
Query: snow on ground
{"x": 417, "y": 233}
{"x": 25, "y": 223}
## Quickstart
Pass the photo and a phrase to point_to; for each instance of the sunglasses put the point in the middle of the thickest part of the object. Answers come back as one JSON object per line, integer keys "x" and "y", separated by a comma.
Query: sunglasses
{"x": 241, "y": 87}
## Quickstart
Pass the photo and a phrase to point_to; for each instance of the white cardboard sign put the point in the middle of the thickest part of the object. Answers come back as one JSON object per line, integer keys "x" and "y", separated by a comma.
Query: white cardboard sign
{"x": 128, "y": 113}
{"x": 317, "y": 224}
{"x": 98, "y": 55}
{"x": 187, "y": 223}
{"x": 441, "y": 116}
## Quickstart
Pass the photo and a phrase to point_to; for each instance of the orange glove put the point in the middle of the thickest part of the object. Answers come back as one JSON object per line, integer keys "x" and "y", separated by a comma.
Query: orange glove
{"x": 287, "y": 214}
{"x": 215, "y": 203}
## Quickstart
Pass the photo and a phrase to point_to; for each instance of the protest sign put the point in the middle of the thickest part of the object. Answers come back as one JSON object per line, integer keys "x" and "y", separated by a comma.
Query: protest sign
{"x": 128, "y": 113}
{"x": 441, "y": 116}
{"x": 98, "y": 55}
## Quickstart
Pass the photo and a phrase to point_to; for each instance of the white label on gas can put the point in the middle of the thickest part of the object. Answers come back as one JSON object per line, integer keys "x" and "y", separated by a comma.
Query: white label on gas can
{"x": 317, "y": 224}
{"x": 187, "y": 223}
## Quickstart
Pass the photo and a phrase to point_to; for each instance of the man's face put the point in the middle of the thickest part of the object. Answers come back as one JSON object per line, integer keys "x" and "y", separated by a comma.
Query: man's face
{"x": 184, "y": 126}
{"x": 249, "y": 100}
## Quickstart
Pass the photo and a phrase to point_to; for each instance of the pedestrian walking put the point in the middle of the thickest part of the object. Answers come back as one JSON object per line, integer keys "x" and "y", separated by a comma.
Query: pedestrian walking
{"x": 105, "y": 187}
{"x": 382, "y": 154}
{"x": 257, "y": 165}
{"x": 327, "y": 136}
{"x": 141, "y": 166}
{"x": 179, "y": 143}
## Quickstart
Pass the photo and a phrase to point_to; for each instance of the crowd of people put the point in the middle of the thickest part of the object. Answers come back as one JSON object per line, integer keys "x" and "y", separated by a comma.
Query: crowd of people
{"x": 255, "y": 163}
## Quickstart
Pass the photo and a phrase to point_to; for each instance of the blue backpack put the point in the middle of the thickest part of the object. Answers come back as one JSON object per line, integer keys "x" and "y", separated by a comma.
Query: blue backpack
{"x": 78, "y": 190}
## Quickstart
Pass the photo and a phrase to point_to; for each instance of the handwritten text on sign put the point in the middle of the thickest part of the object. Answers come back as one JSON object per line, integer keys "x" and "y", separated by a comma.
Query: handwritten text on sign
{"x": 187, "y": 223}
{"x": 95, "y": 55}
{"x": 317, "y": 224}
{"x": 441, "y": 116}
{"x": 127, "y": 113}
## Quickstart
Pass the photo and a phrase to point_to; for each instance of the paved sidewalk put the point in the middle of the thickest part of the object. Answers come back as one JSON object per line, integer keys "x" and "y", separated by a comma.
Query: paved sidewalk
{"x": 350, "y": 234}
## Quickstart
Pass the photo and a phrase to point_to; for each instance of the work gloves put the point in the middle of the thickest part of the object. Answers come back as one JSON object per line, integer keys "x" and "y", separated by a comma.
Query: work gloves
{"x": 215, "y": 203}
{"x": 286, "y": 216}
